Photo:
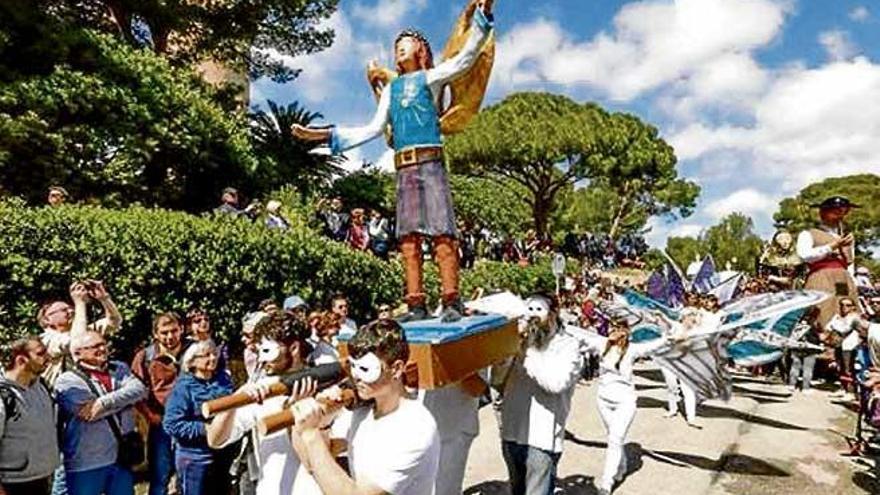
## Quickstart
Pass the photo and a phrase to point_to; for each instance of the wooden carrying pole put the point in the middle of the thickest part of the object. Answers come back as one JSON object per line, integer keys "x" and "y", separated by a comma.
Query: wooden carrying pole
{"x": 285, "y": 419}
{"x": 212, "y": 407}
{"x": 324, "y": 375}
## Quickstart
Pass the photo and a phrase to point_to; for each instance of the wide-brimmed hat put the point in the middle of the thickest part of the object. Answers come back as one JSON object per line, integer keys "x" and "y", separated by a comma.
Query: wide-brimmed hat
{"x": 835, "y": 202}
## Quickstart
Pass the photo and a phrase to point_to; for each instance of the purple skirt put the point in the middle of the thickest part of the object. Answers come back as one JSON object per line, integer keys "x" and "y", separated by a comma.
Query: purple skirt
{"x": 424, "y": 201}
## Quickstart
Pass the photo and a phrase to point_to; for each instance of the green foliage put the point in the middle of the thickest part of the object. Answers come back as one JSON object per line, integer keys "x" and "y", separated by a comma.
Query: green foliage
{"x": 546, "y": 142}
{"x": 368, "y": 188}
{"x": 109, "y": 121}
{"x": 285, "y": 159}
{"x": 532, "y": 139}
{"x": 593, "y": 209}
{"x": 237, "y": 33}
{"x": 634, "y": 162}
{"x": 796, "y": 213}
{"x": 496, "y": 204}
{"x": 157, "y": 260}
{"x": 732, "y": 240}
{"x": 683, "y": 250}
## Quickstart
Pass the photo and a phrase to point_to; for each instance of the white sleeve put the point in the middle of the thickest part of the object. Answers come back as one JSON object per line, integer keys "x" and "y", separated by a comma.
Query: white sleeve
{"x": 841, "y": 325}
{"x": 243, "y": 422}
{"x": 56, "y": 343}
{"x": 807, "y": 252}
{"x": 449, "y": 70}
{"x": 346, "y": 138}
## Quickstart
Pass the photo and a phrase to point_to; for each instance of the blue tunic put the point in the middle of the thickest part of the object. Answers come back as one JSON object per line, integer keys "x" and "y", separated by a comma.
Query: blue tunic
{"x": 414, "y": 119}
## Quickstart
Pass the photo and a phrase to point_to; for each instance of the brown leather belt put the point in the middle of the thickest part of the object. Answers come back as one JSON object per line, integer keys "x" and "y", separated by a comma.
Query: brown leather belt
{"x": 411, "y": 157}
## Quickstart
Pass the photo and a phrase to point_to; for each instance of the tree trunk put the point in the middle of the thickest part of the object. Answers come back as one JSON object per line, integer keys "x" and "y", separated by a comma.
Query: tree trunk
{"x": 618, "y": 217}
{"x": 541, "y": 209}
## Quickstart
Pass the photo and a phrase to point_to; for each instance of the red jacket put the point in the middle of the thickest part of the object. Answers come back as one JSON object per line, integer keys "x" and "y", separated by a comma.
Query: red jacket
{"x": 159, "y": 374}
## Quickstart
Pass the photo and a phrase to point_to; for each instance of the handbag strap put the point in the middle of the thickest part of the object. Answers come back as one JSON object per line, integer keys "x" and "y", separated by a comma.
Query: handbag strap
{"x": 111, "y": 419}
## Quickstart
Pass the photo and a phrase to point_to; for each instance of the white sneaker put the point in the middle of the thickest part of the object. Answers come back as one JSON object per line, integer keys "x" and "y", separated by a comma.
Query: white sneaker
{"x": 670, "y": 414}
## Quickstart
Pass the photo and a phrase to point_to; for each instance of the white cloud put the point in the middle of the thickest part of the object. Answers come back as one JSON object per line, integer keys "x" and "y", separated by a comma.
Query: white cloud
{"x": 354, "y": 160}
{"x": 661, "y": 229}
{"x": 385, "y": 162}
{"x": 746, "y": 201}
{"x": 324, "y": 73}
{"x": 388, "y": 13}
{"x": 837, "y": 44}
{"x": 859, "y": 14}
{"x": 653, "y": 43}
{"x": 811, "y": 124}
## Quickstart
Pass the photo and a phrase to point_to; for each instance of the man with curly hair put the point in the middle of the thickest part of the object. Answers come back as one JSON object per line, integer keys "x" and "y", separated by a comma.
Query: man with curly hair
{"x": 283, "y": 348}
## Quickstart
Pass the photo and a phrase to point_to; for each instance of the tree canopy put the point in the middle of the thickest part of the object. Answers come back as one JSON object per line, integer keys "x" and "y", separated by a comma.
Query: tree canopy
{"x": 796, "y": 213}
{"x": 533, "y": 139}
{"x": 285, "y": 159}
{"x": 733, "y": 240}
{"x": 545, "y": 142}
{"x": 633, "y": 161}
{"x": 108, "y": 120}
{"x": 241, "y": 34}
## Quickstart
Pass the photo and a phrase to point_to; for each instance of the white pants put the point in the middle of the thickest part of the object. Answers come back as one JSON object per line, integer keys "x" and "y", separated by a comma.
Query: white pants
{"x": 673, "y": 385}
{"x": 453, "y": 460}
{"x": 617, "y": 408}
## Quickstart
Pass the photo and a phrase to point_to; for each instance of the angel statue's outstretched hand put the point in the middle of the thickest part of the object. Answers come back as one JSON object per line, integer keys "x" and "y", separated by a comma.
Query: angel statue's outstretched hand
{"x": 411, "y": 110}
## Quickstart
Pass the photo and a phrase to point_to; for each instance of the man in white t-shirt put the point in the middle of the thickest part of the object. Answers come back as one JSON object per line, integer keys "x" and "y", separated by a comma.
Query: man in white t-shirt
{"x": 393, "y": 444}
{"x": 61, "y": 322}
{"x": 282, "y": 349}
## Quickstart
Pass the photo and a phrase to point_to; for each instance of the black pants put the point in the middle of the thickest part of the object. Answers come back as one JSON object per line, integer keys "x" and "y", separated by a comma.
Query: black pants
{"x": 41, "y": 486}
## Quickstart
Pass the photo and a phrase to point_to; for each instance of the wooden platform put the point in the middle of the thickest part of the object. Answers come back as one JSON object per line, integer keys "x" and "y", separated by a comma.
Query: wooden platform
{"x": 446, "y": 353}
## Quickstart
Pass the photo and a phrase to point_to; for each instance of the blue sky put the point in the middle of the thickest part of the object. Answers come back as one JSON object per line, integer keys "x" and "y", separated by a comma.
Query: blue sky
{"x": 758, "y": 97}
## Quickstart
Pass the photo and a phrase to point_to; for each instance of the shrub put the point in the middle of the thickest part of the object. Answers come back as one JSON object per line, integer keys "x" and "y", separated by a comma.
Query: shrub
{"x": 157, "y": 260}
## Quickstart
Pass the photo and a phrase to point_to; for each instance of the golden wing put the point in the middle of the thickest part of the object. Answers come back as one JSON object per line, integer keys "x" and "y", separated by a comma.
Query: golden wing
{"x": 466, "y": 92}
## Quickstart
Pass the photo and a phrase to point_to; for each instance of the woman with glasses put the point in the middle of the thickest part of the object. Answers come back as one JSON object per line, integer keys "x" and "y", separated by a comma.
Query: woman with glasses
{"x": 198, "y": 329}
{"x": 200, "y": 469}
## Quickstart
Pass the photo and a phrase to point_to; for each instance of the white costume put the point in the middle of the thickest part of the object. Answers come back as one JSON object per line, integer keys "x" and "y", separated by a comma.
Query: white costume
{"x": 616, "y": 399}
{"x": 280, "y": 470}
{"x": 673, "y": 386}
{"x": 455, "y": 412}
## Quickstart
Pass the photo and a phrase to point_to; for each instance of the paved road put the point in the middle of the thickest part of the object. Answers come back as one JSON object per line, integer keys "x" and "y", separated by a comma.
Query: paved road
{"x": 764, "y": 441}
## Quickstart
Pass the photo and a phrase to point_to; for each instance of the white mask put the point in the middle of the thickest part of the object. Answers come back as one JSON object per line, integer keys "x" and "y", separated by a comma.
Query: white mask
{"x": 368, "y": 368}
{"x": 268, "y": 351}
{"x": 537, "y": 307}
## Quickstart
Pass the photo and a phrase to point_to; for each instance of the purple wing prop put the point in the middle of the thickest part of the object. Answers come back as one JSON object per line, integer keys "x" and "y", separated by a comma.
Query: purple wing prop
{"x": 706, "y": 277}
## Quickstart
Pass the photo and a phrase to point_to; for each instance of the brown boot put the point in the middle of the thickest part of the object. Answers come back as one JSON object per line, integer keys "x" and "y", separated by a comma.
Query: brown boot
{"x": 411, "y": 250}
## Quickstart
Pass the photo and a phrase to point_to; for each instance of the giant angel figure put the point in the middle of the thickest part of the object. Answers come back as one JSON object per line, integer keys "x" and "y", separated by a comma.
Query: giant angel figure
{"x": 413, "y": 116}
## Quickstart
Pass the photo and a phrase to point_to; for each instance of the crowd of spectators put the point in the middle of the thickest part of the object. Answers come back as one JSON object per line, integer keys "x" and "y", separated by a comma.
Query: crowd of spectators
{"x": 98, "y": 446}
{"x": 373, "y": 232}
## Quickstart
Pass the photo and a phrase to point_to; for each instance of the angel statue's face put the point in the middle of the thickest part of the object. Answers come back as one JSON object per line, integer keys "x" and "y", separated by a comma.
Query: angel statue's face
{"x": 408, "y": 54}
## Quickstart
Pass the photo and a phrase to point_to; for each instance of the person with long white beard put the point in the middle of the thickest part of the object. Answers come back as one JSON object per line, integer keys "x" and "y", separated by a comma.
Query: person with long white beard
{"x": 537, "y": 399}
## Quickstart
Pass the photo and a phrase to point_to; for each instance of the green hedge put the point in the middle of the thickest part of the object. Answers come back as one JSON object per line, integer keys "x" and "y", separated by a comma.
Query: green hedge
{"x": 156, "y": 260}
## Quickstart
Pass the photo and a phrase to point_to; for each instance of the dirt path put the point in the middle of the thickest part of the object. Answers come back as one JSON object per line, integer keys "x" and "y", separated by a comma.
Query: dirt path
{"x": 764, "y": 441}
